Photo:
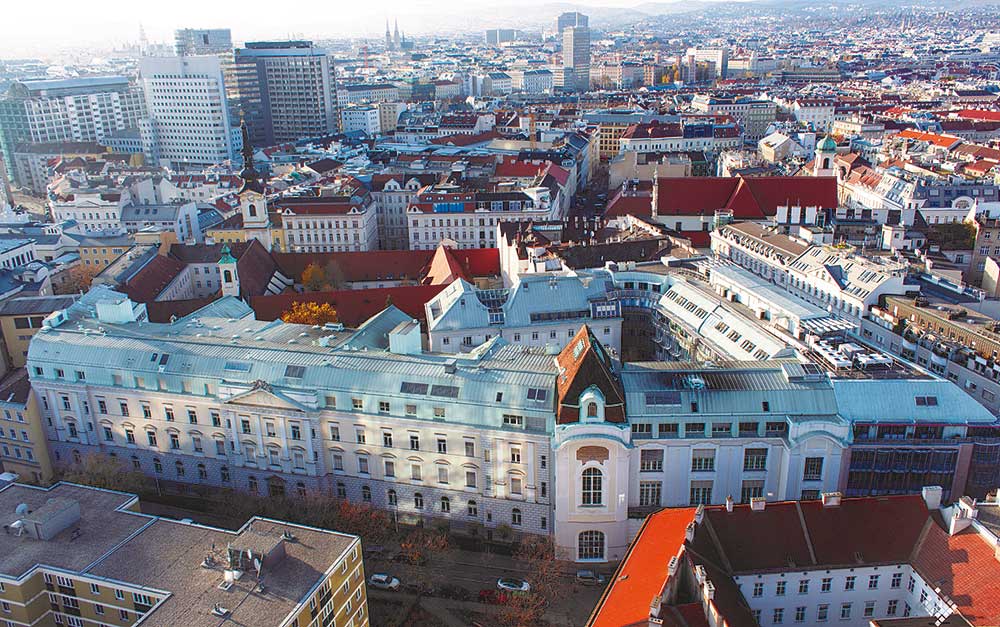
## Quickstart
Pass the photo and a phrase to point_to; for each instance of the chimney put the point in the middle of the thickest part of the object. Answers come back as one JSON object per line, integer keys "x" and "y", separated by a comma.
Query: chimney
{"x": 689, "y": 532}
{"x": 963, "y": 513}
{"x": 699, "y": 513}
{"x": 709, "y": 590}
{"x": 654, "y": 606}
{"x": 932, "y": 496}
{"x": 757, "y": 503}
{"x": 672, "y": 566}
{"x": 729, "y": 503}
{"x": 832, "y": 499}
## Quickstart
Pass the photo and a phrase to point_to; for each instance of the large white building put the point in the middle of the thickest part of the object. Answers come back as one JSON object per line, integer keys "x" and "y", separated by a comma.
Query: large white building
{"x": 363, "y": 118}
{"x": 87, "y": 109}
{"x": 188, "y": 121}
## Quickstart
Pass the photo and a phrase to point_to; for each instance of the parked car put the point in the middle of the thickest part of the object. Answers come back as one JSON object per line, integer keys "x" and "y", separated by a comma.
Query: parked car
{"x": 382, "y": 581}
{"x": 589, "y": 578}
{"x": 513, "y": 585}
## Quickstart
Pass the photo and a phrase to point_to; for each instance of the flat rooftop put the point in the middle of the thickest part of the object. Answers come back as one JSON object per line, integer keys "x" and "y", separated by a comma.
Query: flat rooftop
{"x": 166, "y": 556}
{"x": 101, "y": 527}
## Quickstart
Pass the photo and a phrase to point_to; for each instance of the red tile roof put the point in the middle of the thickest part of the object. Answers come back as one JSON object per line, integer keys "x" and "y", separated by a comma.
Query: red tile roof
{"x": 643, "y": 572}
{"x": 944, "y": 141}
{"x": 749, "y": 198}
{"x": 964, "y": 567}
{"x": 856, "y": 528}
{"x": 353, "y": 306}
{"x": 979, "y": 114}
{"x": 147, "y": 283}
{"x": 585, "y": 363}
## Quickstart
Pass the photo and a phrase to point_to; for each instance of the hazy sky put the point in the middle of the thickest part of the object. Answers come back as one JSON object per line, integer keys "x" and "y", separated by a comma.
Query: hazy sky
{"x": 31, "y": 26}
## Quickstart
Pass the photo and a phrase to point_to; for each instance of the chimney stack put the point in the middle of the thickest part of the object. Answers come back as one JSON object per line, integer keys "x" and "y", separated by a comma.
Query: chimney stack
{"x": 758, "y": 503}
{"x": 932, "y": 496}
{"x": 963, "y": 513}
{"x": 831, "y": 499}
{"x": 729, "y": 503}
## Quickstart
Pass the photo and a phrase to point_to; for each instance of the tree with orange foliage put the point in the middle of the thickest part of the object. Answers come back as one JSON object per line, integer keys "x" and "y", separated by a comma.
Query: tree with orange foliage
{"x": 313, "y": 278}
{"x": 310, "y": 313}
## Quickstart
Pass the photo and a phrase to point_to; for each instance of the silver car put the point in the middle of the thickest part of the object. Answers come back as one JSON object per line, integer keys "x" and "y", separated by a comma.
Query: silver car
{"x": 382, "y": 581}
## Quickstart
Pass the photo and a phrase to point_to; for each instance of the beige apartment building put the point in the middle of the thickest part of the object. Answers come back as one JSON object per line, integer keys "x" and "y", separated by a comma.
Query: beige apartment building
{"x": 77, "y": 556}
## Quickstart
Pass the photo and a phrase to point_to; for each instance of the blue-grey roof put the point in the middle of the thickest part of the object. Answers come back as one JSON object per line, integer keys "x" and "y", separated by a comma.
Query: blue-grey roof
{"x": 895, "y": 400}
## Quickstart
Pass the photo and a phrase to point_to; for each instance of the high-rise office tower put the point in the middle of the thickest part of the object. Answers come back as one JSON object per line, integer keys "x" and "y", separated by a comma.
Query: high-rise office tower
{"x": 286, "y": 90}
{"x": 576, "y": 56}
{"x": 571, "y": 18}
{"x": 195, "y": 41}
{"x": 718, "y": 56}
{"x": 187, "y": 123}
{"x": 64, "y": 110}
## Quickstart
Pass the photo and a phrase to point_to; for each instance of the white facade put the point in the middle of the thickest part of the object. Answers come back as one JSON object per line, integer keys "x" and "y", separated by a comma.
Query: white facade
{"x": 361, "y": 118}
{"x": 354, "y": 229}
{"x": 188, "y": 123}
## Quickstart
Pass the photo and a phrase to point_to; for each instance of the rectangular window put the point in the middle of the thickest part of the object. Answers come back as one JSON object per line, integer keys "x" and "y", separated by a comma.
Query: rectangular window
{"x": 812, "y": 469}
{"x": 849, "y": 582}
{"x": 415, "y": 472}
{"x": 755, "y": 459}
{"x": 650, "y": 493}
{"x": 822, "y": 613}
{"x": 651, "y": 460}
{"x": 470, "y": 449}
{"x": 845, "y": 611}
{"x": 442, "y": 474}
{"x": 703, "y": 460}
{"x": 701, "y": 492}
{"x": 390, "y": 468}
{"x": 869, "y": 609}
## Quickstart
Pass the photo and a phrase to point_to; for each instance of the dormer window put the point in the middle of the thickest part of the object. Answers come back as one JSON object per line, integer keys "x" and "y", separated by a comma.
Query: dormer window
{"x": 591, "y": 410}
{"x": 252, "y": 209}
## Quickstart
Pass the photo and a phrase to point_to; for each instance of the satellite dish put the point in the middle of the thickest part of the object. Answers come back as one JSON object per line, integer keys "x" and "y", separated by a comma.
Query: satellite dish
{"x": 22, "y": 509}
{"x": 256, "y": 564}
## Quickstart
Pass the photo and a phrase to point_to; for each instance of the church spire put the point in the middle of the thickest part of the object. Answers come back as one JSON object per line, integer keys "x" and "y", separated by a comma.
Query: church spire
{"x": 251, "y": 179}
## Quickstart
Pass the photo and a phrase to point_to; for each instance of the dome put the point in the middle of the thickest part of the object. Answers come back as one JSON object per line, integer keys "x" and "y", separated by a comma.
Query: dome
{"x": 827, "y": 145}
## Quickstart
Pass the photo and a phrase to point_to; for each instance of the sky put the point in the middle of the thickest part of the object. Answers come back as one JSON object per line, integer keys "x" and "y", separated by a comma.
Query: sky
{"x": 31, "y": 27}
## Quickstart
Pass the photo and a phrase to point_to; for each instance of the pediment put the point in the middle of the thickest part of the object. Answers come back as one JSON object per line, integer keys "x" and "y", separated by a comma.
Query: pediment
{"x": 261, "y": 395}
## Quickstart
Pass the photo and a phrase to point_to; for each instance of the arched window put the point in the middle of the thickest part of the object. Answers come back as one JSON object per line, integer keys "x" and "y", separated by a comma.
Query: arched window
{"x": 391, "y": 494}
{"x": 591, "y": 545}
{"x": 418, "y": 500}
{"x": 252, "y": 484}
{"x": 300, "y": 490}
{"x": 341, "y": 490}
{"x": 591, "y": 410}
{"x": 227, "y": 276}
{"x": 202, "y": 473}
{"x": 591, "y": 489}
{"x": 180, "y": 468}
{"x": 366, "y": 494}
{"x": 515, "y": 517}
{"x": 445, "y": 504}
{"x": 224, "y": 474}
{"x": 135, "y": 462}
{"x": 77, "y": 458}
{"x": 253, "y": 210}
{"x": 157, "y": 466}
{"x": 473, "y": 509}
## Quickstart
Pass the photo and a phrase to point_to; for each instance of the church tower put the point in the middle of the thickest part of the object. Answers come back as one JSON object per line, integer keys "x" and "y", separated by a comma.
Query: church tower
{"x": 388, "y": 36}
{"x": 826, "y": 151}
{"x": 253, "y": 203}
{"x": 395, "y": 36}
{"x": 229, "y": 278}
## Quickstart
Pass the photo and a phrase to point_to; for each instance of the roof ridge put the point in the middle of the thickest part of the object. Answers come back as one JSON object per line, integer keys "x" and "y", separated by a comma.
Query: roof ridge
{"x": 728, "y": 566}
{"x": 921, "y": 539}
{"x": 805, "y": 532}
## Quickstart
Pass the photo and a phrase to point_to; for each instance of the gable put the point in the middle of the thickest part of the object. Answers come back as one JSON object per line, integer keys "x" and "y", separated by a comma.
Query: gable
{"x": 262, "y": 396}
